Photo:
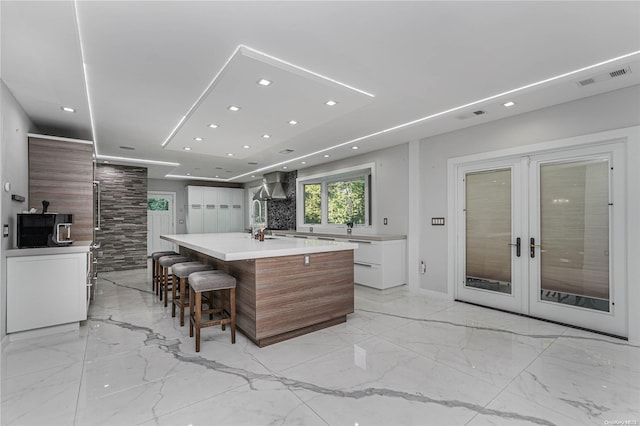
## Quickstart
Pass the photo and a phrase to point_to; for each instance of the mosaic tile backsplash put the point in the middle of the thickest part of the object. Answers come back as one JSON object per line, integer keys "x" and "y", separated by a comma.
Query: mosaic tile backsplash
{"x": 282, "y": 213}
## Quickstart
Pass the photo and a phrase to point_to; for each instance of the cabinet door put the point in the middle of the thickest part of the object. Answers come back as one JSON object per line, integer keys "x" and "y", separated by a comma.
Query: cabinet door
{"x": 224, "y": 213}
{"x": 195, "y": 210}
{"x": 237, "y": 210}
{"x": 210, "y": 212}
{"x": 44, "y": 291}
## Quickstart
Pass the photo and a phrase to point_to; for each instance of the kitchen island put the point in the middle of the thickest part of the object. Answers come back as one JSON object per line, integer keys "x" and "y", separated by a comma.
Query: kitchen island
{"x": 285, "y": 287}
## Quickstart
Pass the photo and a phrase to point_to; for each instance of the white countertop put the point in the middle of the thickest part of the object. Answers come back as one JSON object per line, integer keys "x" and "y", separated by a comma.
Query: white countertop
{"x": 239, "y": 246}
{"x": 75, "y": 247}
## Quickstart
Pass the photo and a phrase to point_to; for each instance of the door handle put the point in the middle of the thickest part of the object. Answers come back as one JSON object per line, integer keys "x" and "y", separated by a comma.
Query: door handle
{"x": 518, "y": 246}
{"x": 532, "y": 247}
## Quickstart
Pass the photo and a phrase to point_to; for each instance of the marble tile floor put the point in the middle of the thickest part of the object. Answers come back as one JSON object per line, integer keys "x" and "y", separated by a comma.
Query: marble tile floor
{"x": 401, "y": 359}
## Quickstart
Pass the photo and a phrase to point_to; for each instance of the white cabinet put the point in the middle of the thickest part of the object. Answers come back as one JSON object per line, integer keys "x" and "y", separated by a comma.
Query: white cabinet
{"x": 380, "y": 264}
{"x": 211, "y": 209}
{"x": 46, "y": 290}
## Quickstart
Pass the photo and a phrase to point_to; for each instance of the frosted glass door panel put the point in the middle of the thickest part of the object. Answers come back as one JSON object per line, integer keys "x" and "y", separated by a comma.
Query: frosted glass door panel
{"x": 574, "y": 233}
{"x": 488, "y": 230}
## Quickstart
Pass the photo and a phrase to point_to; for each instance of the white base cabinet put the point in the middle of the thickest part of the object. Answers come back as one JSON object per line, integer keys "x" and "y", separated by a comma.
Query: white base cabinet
{"x": 47, "y": 290}
{"x": 380, "y": 264}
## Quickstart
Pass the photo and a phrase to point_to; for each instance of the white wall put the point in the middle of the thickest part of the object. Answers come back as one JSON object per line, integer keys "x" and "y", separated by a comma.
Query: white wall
{"x": 14, "y": 128}
{"x": 391, "y": 194}
{"x": 609, "y": 111}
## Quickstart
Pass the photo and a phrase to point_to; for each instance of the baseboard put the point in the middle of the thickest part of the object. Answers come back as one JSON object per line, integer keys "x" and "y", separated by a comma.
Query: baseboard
{"x": 46, "y": 331}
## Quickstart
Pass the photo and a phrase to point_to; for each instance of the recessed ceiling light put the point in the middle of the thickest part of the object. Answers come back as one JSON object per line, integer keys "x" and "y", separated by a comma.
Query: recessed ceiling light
{"x": 229, "y": 154}
{"x": 293, "y": 122}
{"x": 106, "y": 161}
{"x": 354, "y": 147}
{"x": 234, "y": 108}
{"x": 213, "y": 126}
{"x": 253, "y": 176}
{"x": 284, "y": 167}
{"x": 303, "y": 162}
{"x": 188, "y": 174}
{"x": 246, "y": 146}
{"x": 327, "y": 156}
{"x": 509, "y": 104}
{"x": 67, "y": 109}
{"x": 217, "y": 176}
{"x": 197, "y": 139}
{"x": 264, "y": 82}
{"x": 265, "y": 136}
{"x": 331, "y": 103}
{"x": 186, "y": 148}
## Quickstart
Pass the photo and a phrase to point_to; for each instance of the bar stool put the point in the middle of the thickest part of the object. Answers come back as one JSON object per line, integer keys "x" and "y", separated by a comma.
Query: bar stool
{"x": 181, "y": 273}
{"x": 167, "y": 262}
{"x": 155, "y": 267}
{"x": 210, "y": 281}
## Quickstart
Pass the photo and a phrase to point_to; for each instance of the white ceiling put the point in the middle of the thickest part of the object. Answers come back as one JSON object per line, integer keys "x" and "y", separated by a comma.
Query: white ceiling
{"x": 149, "y": 64}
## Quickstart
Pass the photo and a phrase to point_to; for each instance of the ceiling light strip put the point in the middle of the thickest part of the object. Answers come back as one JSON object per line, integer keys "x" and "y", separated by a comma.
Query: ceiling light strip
{"x": 137, "y": 160}
{"x": 85, "y": 74}
{"x": 194, "y": 178}
{"x": 200, "y": 98}
{"x": 289, "y": 64}
{"x": 438, "y": 114}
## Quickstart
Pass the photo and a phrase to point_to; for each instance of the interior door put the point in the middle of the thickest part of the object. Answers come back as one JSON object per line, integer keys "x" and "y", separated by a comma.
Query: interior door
{"x": 491, "y": 235}
{"x": 160, "y": 220}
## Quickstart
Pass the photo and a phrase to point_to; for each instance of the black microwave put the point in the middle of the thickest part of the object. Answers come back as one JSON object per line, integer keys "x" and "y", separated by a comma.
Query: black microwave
{"x": 43, "y": 230}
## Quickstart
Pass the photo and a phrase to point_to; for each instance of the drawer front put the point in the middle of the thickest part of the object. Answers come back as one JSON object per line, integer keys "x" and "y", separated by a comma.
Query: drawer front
{"x": 367, "y": 274}
{"x": 367, "y": 251}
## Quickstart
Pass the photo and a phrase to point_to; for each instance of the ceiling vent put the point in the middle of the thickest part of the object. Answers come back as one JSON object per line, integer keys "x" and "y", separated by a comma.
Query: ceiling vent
{"x": 479, "y": 112}
{"x": 605, "y": 76}
{"x": 129, "y": 148}
{"x": 286, "y": 151}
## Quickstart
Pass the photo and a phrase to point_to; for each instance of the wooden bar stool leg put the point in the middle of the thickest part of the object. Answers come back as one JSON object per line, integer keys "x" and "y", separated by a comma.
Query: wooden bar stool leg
{"x": 192, "y": 310}
{"x": 183, "y": 297}
{"x": 153, "y": 274}
{"x": 173, "y": 297}
{"x": 232, "y": 301}
{"x": 198, "y": 317}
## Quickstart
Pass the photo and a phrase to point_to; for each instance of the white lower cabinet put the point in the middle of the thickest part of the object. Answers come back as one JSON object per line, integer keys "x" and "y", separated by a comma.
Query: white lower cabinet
{"x": 47, "y": 290}
{"x": 380, "y": 264}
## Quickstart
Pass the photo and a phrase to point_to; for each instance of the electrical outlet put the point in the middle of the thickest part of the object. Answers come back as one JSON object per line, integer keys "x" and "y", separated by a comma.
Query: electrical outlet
{"x": 5, "y": 231}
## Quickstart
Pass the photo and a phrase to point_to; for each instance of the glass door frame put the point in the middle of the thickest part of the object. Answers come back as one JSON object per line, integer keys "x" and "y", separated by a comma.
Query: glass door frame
{"x": 517, "y": 300}
{"x": 615, "y": 321}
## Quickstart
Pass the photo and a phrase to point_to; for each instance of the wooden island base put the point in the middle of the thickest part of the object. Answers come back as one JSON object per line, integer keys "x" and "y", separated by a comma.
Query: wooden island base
{"x": 278, "y": 298}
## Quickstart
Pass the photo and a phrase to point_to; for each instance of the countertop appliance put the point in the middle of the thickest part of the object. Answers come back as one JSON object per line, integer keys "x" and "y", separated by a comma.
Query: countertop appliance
{"x": 44, "y": 230}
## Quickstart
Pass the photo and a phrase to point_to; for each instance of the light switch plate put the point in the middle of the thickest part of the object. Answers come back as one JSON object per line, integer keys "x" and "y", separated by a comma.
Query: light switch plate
{"x": 437, "y": 221}
{"x": 5, "y": 231}
{"x": 307, "y": 260}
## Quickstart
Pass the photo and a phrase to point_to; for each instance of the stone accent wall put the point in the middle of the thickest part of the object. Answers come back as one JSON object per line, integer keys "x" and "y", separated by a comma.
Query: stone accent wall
{"x": 123, "y": 216}
{"x": 281, "y": 214}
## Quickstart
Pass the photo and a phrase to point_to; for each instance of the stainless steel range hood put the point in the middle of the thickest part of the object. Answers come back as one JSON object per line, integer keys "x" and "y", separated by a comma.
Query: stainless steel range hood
{"x": 273, "y": 187}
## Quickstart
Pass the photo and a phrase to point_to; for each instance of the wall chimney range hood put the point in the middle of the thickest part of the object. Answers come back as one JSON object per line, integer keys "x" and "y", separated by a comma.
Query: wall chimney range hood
{"x": 273, "y": 187}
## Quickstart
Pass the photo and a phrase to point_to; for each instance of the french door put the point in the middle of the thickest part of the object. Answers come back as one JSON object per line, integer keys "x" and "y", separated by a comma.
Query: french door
{"x": 543, "y": 235}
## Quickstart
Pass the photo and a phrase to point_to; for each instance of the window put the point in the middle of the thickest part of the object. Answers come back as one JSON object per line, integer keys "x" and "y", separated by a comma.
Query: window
{"x": 313, "y": 203}
{"x": 157, "y": 204}
{"x": 334, "y": 200}
{"x": 346, "y": 202}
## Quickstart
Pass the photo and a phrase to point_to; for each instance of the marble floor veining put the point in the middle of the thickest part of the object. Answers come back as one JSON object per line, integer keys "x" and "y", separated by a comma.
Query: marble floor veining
{"x": 401, "y": 359}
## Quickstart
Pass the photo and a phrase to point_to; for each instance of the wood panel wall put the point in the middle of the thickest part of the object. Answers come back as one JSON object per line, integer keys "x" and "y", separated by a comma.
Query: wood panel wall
{"x": 61, "y": 172}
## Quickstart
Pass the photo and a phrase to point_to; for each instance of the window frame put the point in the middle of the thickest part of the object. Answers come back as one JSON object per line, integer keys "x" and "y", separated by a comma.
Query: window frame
{"x": 366, "y": 171}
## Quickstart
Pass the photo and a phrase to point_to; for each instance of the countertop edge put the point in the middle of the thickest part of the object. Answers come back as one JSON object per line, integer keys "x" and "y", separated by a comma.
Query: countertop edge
{"x": 76, "y": 247}
{"x": 376, "y": 237}
{"x": 259, "y": 254}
